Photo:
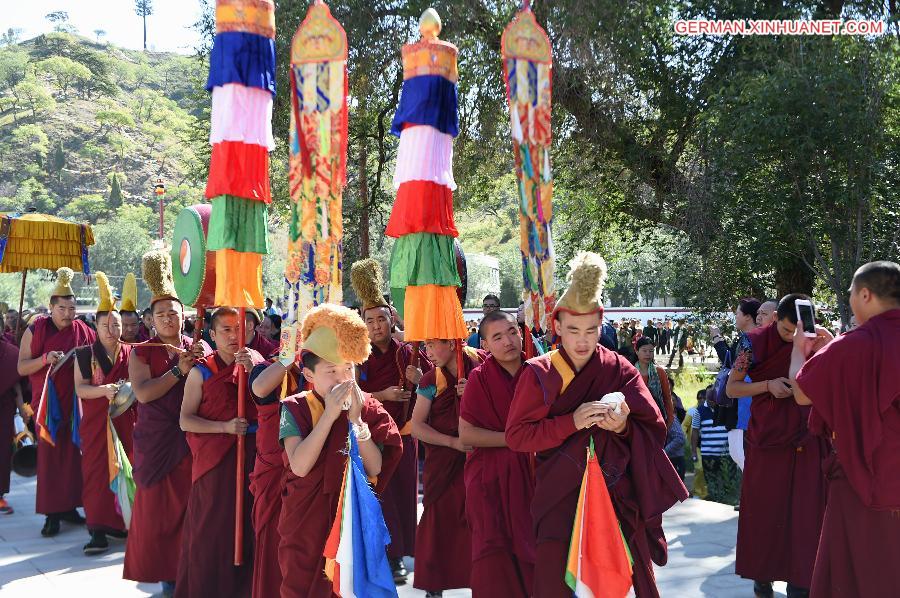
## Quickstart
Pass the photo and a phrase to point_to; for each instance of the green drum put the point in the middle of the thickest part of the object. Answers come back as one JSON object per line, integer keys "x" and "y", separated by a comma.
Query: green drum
{"x": 193, "y": 267}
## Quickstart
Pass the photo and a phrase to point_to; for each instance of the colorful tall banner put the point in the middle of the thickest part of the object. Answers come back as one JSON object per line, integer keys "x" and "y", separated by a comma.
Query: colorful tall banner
{"x": 318, "y": 162}
{"x": 527, "y": 64}
{"x": 242, "y": 82}
{"x": 424, "y": 274}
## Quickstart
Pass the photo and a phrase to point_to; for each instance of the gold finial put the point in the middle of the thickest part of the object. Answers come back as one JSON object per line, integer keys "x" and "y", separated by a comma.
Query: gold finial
{"x": 430, "y": 24}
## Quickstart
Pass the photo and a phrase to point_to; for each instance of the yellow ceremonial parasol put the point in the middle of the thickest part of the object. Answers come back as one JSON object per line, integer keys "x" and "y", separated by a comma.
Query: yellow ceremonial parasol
{"x": 33, "y": 241}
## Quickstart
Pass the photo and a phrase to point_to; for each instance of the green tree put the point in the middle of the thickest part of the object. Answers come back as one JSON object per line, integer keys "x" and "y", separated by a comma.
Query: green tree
{"x": 65, "y": 72}
{"x": 121, "y": 145}
{"x": 94, "y": 153}
{"x": 119, "y": 246}
{"x": 115, "y": 192}
{"x": 60, "y": 21}
{"x": 140, "y": 215}
{"x": 99, "y": 33}
{"x": 31, "y": 194}
{"x": 13, "y": 62}
{"x": 59, "y": 158}
{"x": 11, "y": 36}
{"x": 113, "y": 118}
{"x": 143, "y": 9}
{"x": 86, "y": 208}
{"x": 30, "y": 94}
{"x": 33, "y": 138}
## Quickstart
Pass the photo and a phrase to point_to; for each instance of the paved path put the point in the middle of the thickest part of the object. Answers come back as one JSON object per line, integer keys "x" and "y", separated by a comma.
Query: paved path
{"x": 701, "y": 556}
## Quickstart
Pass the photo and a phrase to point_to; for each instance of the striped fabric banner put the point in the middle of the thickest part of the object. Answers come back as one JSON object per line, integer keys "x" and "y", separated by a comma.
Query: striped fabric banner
{"x": 427, "y": 119}
{"x": 242, "y": 82}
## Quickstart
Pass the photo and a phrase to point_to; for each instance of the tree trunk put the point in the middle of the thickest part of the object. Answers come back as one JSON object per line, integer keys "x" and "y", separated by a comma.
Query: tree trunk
{"x": 145, "y": 32}
{"x": 794, "y": 277}
{"x": 364, "y": 241}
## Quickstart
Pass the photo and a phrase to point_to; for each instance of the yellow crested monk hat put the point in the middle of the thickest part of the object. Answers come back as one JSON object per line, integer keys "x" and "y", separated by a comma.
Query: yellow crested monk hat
{"x": 129, "y": 293}
{"x": 367, "y": 282}
{"x": 587, "y": 274}
{"x": 107, "y": 301}
{"x": 336, "y": 334}
{"x": 156, "y": 266}
{"x": 63, "y": 286}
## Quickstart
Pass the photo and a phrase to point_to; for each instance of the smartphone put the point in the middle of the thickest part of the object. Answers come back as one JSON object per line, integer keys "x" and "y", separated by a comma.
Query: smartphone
{"x": 806, "y": 317}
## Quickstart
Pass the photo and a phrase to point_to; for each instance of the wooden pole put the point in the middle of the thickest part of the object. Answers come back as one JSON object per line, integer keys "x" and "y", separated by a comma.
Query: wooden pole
{"x": 198, "y": 325}
{"x": 21, "y": 303}
{"x": 460, "y": 368}
{"x": 415, "y": 363}
{"x": 239, "y": 485}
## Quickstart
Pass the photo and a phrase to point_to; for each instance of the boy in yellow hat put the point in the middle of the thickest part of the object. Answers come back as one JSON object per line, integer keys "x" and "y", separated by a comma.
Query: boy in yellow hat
{"x": 314, "y": 428}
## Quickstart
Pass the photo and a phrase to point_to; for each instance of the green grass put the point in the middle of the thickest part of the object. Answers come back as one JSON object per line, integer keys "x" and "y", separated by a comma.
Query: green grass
{"x": 689, "y": 381}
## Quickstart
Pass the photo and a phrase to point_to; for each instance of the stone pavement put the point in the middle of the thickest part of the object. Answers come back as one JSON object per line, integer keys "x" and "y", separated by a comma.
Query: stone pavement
{"x": 701, "y": 556}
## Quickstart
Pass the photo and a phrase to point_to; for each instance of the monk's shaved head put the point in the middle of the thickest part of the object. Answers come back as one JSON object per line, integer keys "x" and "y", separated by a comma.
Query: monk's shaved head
{"x": 495, "y": 316}
{"x": 881, "y": 278}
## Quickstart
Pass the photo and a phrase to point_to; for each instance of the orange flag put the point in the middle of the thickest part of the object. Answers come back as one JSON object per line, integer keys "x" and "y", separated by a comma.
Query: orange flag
{"x": 599, "y": 564}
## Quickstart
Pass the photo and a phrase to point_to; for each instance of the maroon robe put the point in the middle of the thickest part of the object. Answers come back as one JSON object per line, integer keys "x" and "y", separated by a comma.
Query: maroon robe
{"x": 58, "y": 467}
{"x": 263, "y": 346}
{"x": 207, "y": 549}
{"x": 541, "y": 420}
{"x": 100, "y": 508}
{"x": 267, "y": 485}
{"x": 162, "y": 473}
{"x": 310, "y": 503}
{"x": 499, "y": 490}
{"x": 9, "y": 358}
{"x": 783, "y": 489}
{"x": 855, "y": 394}
{"x": 443, "y": 540}
{"x": 400, "y": 497}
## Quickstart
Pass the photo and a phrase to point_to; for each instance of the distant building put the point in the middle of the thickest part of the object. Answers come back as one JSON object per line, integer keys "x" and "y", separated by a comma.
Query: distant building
{"x": 484, "y": 278}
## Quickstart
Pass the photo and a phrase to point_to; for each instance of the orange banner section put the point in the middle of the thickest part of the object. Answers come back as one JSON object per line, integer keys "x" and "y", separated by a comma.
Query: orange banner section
{"x": 433, "y": 312}
{"x": 239, "y": 279}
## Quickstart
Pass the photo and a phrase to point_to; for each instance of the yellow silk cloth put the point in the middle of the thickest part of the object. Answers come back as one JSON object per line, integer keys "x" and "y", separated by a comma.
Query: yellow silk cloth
{"x": 42, "y": 241}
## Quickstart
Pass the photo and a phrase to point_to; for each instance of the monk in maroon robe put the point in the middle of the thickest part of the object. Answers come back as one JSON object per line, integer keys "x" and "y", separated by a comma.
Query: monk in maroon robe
{"x": 854, "y": 388}
{"x": 314, "y": 433}
{"x": 443, "y": 540}
{"x": 556, "y": 412}
{"x": 390, "y": 376}
{"x": 256, "y": 341}
{"x": 101, "y": 367}
{"x": 131, "y": 327}
{"x": 10, "y": 400}
{"x": 45, "y": 342}
{"x": 209, "y": 416}
{"x": 269, "y": 385}
{"x": 499, "y": 482}
{"x": 783, "y": 489}
{"x": 162, "y": 458}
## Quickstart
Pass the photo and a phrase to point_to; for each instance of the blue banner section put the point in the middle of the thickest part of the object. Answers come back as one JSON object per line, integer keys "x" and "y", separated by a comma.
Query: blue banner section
{"x": 428, "y": 100}
{"x": 243, "y": 58}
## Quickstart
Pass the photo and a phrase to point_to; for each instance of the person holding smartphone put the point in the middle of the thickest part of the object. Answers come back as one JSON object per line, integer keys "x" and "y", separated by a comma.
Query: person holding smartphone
{"x": 783, "y": 488}
{"x": 853, "y": 387}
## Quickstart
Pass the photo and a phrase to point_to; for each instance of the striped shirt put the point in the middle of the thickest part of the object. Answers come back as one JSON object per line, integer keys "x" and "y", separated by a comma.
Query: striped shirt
{"x": 713, "y": 438}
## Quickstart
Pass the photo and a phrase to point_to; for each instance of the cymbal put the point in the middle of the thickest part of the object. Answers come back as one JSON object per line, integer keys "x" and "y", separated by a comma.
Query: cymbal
{"x": 123, "y": 400}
